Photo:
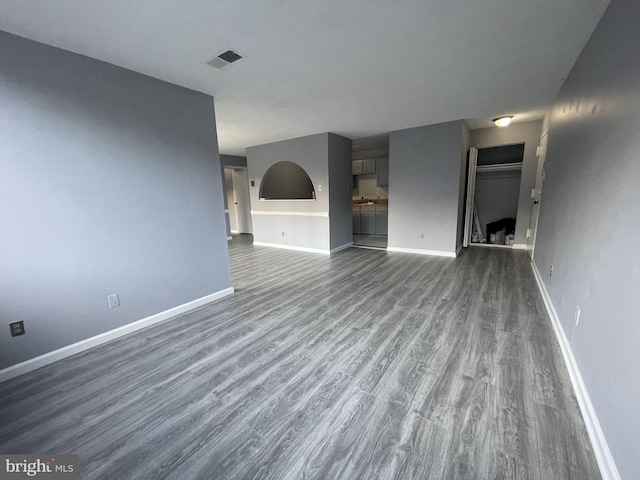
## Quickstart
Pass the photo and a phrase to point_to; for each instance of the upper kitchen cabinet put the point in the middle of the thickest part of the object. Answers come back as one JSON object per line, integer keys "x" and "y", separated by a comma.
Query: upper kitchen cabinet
{"x": 382, "y": 179}
{"x": 366, "y": 166}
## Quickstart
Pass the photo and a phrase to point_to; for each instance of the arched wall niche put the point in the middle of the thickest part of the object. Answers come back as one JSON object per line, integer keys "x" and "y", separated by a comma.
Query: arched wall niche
{"x": 286, "y": 181}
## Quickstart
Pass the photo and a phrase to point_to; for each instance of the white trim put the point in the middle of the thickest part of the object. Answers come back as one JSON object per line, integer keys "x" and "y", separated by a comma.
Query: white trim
{"x": 64, "y": 352}
{"x": 458, "y": 250}
{"x": 292, "y": 247}
{"x": 301, "y": 214}
{"x": 515, "y": 246}
{"x": 235, "y": 231}
{"x": 490, "y": 245}
{"x": 229, "y": 238}
{"x": 341, "y": 247}
{"x": 367, "y": 247}
{"x": 608, "y": 468}
{"x": 419, "y": 251}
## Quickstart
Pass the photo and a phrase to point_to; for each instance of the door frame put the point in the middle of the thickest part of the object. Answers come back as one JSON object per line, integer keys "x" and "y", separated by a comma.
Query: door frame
{"x": 471, "y": 193}
{"x": 536, "y": 195}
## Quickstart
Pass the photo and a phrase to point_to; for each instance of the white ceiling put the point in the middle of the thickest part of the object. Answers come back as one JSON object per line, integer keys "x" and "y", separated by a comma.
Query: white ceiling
{"x": 357, "y": 67}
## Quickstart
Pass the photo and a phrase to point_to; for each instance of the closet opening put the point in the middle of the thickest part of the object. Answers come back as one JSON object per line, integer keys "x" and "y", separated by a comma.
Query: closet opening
{"x": 492, "y": 196}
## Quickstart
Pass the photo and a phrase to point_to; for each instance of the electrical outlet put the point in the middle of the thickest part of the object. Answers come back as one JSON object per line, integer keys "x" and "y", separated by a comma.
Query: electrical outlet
{"x": 577, "y": 314}
{"x": 114, "y": 300}
{"x": 551, "y": 271}
{"x": 422, "y": 235}
{"x": 283, "y": 234}
{"x": 17, "y": 328}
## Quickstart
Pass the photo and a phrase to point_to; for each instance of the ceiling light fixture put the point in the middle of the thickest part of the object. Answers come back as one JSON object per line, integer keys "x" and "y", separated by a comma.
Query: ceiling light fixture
{"x": 503, "y": 121}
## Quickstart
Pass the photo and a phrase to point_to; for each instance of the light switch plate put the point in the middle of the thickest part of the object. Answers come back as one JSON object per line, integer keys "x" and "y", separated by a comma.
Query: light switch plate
{"x": 114, "y": 300}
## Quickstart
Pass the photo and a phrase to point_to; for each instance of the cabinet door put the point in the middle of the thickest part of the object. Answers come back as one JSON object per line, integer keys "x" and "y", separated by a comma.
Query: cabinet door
{"x": 357, "y": 167}
{"x": 368, "y": 223}
{"x": 382, "y": 179}
{"x": 382, "y": 223}
{"x": 356, "y": 221}
{"x": 369, "y": 165}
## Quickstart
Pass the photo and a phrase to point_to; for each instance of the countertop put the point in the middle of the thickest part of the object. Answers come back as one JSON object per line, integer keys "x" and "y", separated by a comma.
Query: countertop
{"x": 377, "y": 201}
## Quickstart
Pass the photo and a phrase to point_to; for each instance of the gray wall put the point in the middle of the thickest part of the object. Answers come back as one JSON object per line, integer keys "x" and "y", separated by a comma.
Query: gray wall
{"x": 529, "y": 134}
{"x": 340, "y": 187}
{"x": 462, "y": 192}
{"x": 424, "y": 186}
{"x": 590, "y": 220}
{"x": 229, "y": 161}
{"x": 110, "y": 184}
{"x": 311, "y": 153}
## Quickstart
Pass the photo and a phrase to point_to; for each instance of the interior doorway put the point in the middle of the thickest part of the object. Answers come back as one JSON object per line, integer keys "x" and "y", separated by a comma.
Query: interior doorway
{"x": 536, "y": 195}
{"x": 494, "y": 179}
{"x": 236, "y": 183}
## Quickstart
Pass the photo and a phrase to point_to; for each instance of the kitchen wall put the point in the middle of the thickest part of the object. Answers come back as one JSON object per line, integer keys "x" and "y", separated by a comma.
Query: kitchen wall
{"x": 590, "y": 219}
{"x": 529, "y": 134}
{"x": 297, "y": 224}
{"x": 110, "y": 184}
{"x": 367, "y": 187}
{"x": 424, "y": 180}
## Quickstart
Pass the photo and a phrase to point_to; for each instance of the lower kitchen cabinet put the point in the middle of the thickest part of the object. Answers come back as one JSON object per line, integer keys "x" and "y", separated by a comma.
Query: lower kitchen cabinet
{"x": 370, "y": 219}
{"x": 356, "y": 220}
{"x": 382, "y": 220}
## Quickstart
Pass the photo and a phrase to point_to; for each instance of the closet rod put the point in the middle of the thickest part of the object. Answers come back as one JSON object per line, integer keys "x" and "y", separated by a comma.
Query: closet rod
{"x": 499, "y": 167}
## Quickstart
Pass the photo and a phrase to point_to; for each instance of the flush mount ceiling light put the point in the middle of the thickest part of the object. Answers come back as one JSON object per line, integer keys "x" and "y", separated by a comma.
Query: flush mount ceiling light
{"x": 503, "y": 121}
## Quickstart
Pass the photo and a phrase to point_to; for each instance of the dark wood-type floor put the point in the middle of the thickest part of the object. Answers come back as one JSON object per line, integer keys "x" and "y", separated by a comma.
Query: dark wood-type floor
{"x": 377, "y": 241}
{"x": 362, "y": 365}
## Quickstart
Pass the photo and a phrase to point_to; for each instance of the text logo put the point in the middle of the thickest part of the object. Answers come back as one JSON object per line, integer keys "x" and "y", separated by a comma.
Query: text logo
{"x": 51, "y": 467}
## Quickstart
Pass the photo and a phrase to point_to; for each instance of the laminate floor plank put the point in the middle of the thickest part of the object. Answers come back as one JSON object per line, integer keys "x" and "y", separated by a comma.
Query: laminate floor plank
{"x": 360, "y": 365}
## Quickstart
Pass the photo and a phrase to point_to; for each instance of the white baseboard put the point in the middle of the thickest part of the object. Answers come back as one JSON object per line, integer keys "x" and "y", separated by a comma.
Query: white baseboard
{"x": 515, "y": 246}
{"x": 292, "y": 247}
{"x": 341, "y": 247}
{"x": 608, "y": 468}
{"x": 237, "y": 232}
{"x": 438, "y": 253}
{"x": 229, "y": 238}
{"x": 64, "y": 352}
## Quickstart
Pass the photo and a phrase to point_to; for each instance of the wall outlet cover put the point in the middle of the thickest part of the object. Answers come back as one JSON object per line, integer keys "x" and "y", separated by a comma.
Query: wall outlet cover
{"x": 17, "y": 328}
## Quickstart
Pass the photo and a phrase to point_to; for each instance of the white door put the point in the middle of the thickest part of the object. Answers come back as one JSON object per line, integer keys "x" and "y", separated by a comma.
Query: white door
{"x": 471, "y": 192}
{"x": 242, "y": 201}
{"x": 536, "y": 195}
{"x": 231, "y": 203}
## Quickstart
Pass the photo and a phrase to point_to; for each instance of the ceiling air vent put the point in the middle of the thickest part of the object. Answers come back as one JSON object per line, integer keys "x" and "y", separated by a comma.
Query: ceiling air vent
{"x": 224, "y": 59}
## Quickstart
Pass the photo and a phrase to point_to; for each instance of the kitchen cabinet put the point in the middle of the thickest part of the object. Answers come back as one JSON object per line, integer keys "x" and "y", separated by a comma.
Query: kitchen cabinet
{"x": 368, "y": 219}
{"x": 364, "y": 167}
{"x": 382, "y": 220}
{"x": 369, "y": 166}
{"x": 356, "y": 220}
{"x": 382, "y": 179}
